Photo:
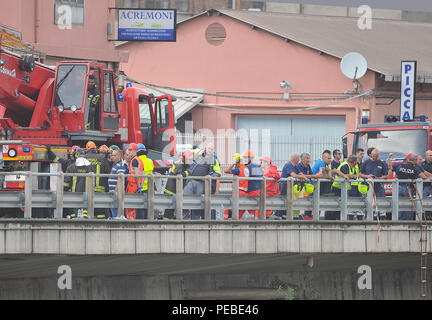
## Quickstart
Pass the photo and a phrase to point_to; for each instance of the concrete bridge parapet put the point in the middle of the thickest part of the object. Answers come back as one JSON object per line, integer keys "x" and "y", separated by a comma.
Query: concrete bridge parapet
{"x": 92, "y": 237}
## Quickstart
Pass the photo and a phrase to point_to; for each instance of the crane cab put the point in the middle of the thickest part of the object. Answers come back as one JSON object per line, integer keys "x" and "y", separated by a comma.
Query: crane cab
{"x": 84, "y": 99}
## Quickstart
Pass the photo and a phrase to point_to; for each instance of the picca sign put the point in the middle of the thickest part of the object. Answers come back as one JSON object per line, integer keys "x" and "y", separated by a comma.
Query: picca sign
{"x": 408, "y": 82}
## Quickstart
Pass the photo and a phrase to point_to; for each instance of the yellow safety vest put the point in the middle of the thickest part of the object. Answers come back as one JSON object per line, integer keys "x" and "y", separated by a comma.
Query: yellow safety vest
{"x": 352, "y": 171}
{"x": 356, "y": 172}
{"x": 148, "y": 169}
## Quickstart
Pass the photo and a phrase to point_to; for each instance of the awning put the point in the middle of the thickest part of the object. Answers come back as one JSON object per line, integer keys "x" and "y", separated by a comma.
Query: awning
{"x": 185, "y": 101}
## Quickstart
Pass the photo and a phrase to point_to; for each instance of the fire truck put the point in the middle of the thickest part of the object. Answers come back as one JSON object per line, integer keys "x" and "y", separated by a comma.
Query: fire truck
{"x": 393, "y": 136}
{"x": 43, "y": 106}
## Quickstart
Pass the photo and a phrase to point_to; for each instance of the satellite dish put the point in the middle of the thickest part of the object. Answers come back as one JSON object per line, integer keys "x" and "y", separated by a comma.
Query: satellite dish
{"x": 353, "y": 65}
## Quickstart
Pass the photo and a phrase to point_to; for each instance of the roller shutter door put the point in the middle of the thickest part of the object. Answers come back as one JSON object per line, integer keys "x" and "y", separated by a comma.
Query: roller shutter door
{"x": 282, "y": 135}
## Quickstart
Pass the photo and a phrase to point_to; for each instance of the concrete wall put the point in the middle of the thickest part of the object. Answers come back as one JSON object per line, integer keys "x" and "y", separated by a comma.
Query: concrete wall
{"x": 219, "y": 260}
{"x": 105, "y": 238}
{"x": 307, "y": 285}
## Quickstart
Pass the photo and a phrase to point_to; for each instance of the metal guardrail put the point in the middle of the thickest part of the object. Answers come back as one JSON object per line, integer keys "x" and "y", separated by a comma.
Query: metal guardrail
{"x": 154, "y": 199}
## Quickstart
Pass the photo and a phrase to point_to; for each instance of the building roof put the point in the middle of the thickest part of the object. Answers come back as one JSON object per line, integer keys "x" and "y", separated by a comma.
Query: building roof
{"x": 184, "y": 101}
{"x": 384, "y": 46}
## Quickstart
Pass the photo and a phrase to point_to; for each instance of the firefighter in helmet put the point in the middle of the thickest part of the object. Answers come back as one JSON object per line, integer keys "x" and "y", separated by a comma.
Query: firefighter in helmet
{"x": 100, "y": 165}
{"x": 75, "y": 183}
{"x": 179, "y": 168}
{"x": 93, "y": 97}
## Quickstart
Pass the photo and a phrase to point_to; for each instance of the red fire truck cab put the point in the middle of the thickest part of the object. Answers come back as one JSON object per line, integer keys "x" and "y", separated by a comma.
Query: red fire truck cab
{"x": 399, "y": 138}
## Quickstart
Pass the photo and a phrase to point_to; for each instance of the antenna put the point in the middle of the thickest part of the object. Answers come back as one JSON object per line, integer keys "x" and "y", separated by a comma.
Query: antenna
{"x": 353, "y": 66}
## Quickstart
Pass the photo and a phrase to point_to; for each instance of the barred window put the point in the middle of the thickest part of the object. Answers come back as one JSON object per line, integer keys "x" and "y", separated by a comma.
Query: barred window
{"x": 64, "y": 8}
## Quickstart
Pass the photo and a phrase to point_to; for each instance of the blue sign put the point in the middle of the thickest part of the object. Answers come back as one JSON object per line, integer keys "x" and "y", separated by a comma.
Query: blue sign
{"x": 147, "y": 25}
{"x": 408, "y": 82}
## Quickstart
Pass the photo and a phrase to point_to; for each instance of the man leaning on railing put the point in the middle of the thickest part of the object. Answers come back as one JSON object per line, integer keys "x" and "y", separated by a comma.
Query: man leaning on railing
{"x": 374, "y": 168}
{"x": 408, "y": 170}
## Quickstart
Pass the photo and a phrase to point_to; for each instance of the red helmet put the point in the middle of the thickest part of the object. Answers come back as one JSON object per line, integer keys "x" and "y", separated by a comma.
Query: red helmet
{"x": 72, "y": 149}
{"x": 266, "y": 159}
{"x": 187, "y": 154}
{"x": 103, "y": 148}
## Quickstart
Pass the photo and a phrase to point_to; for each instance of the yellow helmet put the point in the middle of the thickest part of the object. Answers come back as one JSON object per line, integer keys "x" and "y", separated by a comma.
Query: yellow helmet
{"x": 310, "y": 188}
{"x": 236, "y": 157}
{"x": 297, "y": 188}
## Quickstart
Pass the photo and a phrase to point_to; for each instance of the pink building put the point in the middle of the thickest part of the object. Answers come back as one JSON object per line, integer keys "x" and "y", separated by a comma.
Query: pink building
{"x": 64, "y": 29}
{"x": 248, "y": 54}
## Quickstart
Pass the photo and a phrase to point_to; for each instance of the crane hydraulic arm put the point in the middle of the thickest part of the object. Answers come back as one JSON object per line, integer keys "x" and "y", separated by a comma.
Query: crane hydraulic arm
{"x": 22, "y": 82}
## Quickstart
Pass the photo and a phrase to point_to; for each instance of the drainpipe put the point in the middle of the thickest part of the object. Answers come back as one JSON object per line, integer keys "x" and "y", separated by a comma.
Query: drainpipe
{"x": 233, "y": 4}
{"x": 36, "y": 21}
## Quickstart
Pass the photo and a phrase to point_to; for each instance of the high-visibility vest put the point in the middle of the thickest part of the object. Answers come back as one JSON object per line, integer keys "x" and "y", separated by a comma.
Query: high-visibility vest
{"x": 244, "y": 172}
{"x": 356, "y": 172}
{"x": 96, "y": 162}
{"x": 132, "y": 186}
{"x": 352, "y": 171}
{"x": 148, "y": 169}
{"x": 171, "y": 185}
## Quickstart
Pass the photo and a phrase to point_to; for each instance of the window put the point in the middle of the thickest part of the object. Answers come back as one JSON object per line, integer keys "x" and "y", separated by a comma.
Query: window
{"x": 144, "y": 108}
{"x": 69, "y": 12}
{"x": 398, "y": 142}
{"x": 108, "y": 92}
{"x": 182, "y": 5}
{"x": 157, "y": 4}
{"x": 163, "y": 109}
{"x": 69, "y": 90}
{"x": 130, "y": 3}
{"x": 258, "y": 5}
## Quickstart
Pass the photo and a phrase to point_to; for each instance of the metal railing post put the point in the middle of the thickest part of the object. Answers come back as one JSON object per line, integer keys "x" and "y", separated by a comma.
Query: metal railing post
{"x": 395, "y": 200}
{"x": 120, "y": 194}
{"x": 207, "y": 198}
{"x": 419, "y": 184}
{"x": 263, "y": 193}
{"x": 235, "y": 198}
{"x": 289, "y": 199}
{"x": 28, "y": 195}
{"x": 316, "y": 200}
{"x": 179, "y": 197}
{"x": 369, "y": 200}
{"x": 59, "y": 196}
{"x": 90, "y": 195}
{"x": 150, "y": 197}
{"x": 344, "y": 200}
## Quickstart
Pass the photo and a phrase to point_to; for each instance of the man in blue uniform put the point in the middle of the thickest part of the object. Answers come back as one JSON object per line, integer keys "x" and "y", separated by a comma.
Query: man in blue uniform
{"x": 304, "y": 168}
{"x": 408, "y": 170}
{"x": 337, "y": 156}
{"x": 426, "y": 165}
{"x": 290, "y": 170}
{"x": 374, "y": 168}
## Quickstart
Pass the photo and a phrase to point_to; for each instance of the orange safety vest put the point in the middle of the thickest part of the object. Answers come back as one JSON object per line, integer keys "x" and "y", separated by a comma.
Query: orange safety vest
{"x": 244, "y": 172}
{"x": 132, "y": 187}
{"x": 243, "y": 187}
